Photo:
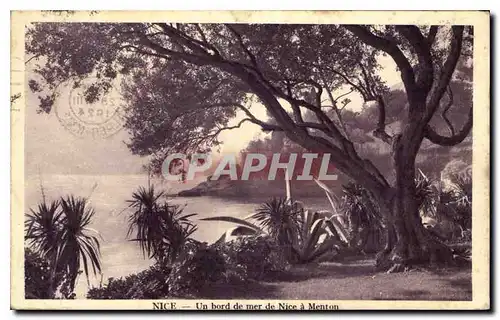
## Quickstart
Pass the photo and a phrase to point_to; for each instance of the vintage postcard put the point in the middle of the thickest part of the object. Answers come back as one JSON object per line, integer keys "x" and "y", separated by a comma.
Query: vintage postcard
{"x": 272, "y": 161}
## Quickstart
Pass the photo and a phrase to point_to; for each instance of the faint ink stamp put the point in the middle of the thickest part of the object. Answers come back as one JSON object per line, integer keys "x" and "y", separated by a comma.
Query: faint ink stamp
{"x": 98, "y": 120}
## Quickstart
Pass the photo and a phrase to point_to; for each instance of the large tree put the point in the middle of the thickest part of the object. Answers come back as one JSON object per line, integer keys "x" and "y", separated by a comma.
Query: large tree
{"x": 183, "y": 83}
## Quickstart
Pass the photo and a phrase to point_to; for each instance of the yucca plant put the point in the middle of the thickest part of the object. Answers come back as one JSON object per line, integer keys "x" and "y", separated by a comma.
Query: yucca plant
{"x": 59, "y": 232}
{"x": 146, "y": 220}
{"x": 78, "y": 244}
{"x": 457, "y": 205}
{"x": 42, "y": 228}
{"x": 462, "y": 186}
{"x": 281, "y": 219}
{"x": 364, "y": 220}
{"x": 426, "y": 194}
{"x": 162, "y": 230}
{"x": 177, "y": 229}
{"x": 278, "y": 218}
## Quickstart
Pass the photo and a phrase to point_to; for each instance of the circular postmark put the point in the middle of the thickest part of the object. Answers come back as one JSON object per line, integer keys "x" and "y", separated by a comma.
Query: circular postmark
{"x": 99, "y": 120}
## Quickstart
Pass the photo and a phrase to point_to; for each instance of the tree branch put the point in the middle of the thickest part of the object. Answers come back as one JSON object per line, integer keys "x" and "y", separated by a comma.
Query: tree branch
{"x": 34, "y": 57}
{"x": 445, "y": 110}
{"x": 380, "y": 132}
{"x": 205, "y": 41}
{"x": 358, "y": 87}
{"x": 369, "y": 88}
{"x": 446, "y": 73}
{"x": 295, "y": 108}
{"x": 238, "y": 36}
{"x": 190, "y": 42}
{"x": 436, "y": 138}
{"x": 432, "y": 35}
{"x": 391, "y": 48}
{"x": 334, "y": 105}
{"x": 420, "y": 44}
{"x": 219, "y": 130}
{"x": 344, "y": 94}
{"x": 167, "y": 53}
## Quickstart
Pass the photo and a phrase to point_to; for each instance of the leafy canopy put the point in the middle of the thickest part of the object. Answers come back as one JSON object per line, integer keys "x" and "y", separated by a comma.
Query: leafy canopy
{"x": 182, "y": 83}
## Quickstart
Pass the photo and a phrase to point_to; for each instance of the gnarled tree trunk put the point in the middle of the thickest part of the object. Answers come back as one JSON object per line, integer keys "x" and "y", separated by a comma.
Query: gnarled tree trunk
{"x": 408, "y": 242}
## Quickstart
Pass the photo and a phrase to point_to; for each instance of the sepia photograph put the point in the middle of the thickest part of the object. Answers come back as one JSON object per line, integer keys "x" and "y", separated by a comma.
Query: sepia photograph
{"x": 250, "y": 161}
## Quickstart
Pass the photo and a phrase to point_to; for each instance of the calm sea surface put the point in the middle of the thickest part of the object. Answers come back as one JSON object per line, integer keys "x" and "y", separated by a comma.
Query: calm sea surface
{"x": 108, "y": 195}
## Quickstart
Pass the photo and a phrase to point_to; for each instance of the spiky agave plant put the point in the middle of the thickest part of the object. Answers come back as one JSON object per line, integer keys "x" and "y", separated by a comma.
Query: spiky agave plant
{"x": 313, "y": 239}
{"x": 336, "y": 221}
{"x": 78, "y": 243}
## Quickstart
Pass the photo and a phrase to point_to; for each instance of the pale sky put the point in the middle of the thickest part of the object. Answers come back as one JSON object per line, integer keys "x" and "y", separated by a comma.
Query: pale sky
{"x": 52, "y": 149}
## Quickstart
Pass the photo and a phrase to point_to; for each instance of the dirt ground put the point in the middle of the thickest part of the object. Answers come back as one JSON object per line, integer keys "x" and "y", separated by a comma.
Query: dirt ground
{"x": 354, "y": 280}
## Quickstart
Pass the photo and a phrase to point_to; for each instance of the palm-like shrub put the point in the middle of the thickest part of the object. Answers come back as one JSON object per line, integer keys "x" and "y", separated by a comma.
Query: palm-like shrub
{"x": 455, "y": 204}
{"x": 462, "y": 184}
{"x": 161, "y": 229}
{"x": 145, "y": 220}
{"x": 59, "y": 232}
{"x": 426, "y": 193}
{"x": 42, "y": 227}
{"x": 280, "y": 218}
{"x": 302, "y": 235}
{"x": 462, "y": 190}
{"x": 364, "y": 220}
{"x": 78, "y": 242}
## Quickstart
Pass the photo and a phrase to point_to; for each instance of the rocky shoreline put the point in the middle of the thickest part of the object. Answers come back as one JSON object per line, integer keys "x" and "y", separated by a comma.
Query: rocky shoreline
{"x": 225, "y": 187}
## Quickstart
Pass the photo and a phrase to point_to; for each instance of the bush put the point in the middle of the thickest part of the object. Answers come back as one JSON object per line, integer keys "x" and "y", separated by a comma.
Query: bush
{"x": 37, "y": 279}
{"x": 198, "y": 266}
{"x": 238, "y": 261}
{"x": 148, "y": 284}
{"x": 36, "y": 276}
{"x": 251, "y": 258}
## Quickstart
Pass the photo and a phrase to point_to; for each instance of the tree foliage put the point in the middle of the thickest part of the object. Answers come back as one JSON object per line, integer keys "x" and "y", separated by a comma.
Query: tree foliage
{"x": 184, "y": 82}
